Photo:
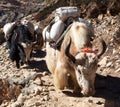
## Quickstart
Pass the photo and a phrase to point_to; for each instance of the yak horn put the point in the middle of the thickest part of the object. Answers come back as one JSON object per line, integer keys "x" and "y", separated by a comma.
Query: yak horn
{"x": 67, "y": 53}
{"x": 103, "y": 47}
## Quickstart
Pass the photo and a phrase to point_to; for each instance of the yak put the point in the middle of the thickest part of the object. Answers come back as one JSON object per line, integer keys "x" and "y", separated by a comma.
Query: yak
{"x": 76, "y": 59}
{"x": 20, "y": 42}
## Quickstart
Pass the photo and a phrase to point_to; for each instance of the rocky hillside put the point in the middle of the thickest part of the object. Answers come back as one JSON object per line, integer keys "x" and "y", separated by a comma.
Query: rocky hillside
{"x": 32, "y": 85}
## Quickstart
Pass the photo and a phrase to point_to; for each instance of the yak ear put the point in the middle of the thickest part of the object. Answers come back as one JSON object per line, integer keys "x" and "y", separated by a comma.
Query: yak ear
{"x": 67, "y": 53}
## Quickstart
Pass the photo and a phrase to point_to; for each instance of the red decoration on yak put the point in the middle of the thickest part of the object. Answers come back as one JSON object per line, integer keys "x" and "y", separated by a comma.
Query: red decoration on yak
{"x": 88, "y": 50}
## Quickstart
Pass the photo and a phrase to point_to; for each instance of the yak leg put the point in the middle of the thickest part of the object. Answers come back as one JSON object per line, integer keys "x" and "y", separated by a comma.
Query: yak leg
{"x": 76, "y": 86}
{"x": 60, "y": 78}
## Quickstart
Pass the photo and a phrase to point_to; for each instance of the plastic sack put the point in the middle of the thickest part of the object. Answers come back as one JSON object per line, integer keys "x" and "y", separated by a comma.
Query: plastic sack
{"x": 8, "y": 28}
{"x": 54, "y": 32}
{"x": 65, "y": 12}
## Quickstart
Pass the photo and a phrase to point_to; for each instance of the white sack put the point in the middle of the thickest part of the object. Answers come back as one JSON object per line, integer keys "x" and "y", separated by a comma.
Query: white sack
{"x": 66, "y": 12}
{"x": 56, "y": 30}
{"x": 7, "y": 29}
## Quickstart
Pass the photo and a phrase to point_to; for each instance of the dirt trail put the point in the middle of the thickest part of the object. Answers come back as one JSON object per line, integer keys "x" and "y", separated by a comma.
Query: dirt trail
{"x": 32, "y": 85}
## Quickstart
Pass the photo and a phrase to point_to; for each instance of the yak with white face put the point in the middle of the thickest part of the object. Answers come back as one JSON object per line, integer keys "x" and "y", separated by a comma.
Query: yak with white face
{"x": 85, "y": 68}
{"x": 75, "y": 58}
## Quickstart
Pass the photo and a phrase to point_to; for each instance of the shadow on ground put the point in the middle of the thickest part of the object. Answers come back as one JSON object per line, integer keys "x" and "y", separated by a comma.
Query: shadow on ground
{"x": 39, "y": 54}
{"x": 109, "y": 89}
{"x": 106, "y": 87}
{"x": 38, "y": 65}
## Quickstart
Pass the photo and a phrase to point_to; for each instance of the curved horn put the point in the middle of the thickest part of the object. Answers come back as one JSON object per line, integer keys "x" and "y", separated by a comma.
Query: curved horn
{"x": 34, "y": 43}
{"x": 103, "y": 47}
{"x": 67, "y": 53}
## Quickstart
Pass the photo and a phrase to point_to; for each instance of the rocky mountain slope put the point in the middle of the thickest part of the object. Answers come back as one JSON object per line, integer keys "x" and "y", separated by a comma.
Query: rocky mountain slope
{"x": 32, "y": 85}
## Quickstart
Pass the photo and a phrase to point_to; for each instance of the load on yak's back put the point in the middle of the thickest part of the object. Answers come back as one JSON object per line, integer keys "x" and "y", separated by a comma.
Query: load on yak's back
{"x": 64, "y": 16}
{"x": 21, "y": 37}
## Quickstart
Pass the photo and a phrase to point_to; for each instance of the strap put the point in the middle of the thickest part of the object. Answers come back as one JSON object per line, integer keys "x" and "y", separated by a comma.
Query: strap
{"x": 63, "y": 35}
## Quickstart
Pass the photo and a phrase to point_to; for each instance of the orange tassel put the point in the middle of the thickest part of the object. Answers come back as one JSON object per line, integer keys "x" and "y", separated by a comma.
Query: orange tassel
{"x": 88, "y": 50}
